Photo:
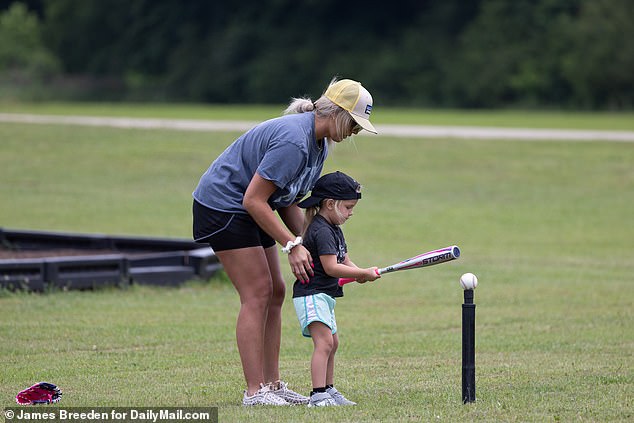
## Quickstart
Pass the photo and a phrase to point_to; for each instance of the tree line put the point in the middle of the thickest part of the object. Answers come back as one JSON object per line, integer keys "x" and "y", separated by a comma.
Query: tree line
{"x": 426, "y": 53}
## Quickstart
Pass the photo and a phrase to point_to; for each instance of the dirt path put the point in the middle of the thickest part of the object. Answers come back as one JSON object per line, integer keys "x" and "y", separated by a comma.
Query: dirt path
{"x": 409, "y": 131}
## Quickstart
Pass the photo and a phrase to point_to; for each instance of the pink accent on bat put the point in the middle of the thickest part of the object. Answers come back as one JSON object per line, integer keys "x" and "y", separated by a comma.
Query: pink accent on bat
{"x": 343, "y": 281}
{"x": 427, "y": 253}
{"x": 417, "y": 262}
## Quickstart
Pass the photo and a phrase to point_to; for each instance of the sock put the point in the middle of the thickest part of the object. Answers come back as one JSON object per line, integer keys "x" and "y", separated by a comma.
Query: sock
{"x": 317, "y": 390}
{"x": 330, "y": 386}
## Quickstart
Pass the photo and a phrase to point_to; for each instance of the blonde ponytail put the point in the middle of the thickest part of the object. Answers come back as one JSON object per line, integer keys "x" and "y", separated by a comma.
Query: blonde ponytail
{"x": 300, "y": 105}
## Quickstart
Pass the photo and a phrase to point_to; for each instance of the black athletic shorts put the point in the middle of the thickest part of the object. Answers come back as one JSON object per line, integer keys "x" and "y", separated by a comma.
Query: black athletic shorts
{"x": 227, "y": 231}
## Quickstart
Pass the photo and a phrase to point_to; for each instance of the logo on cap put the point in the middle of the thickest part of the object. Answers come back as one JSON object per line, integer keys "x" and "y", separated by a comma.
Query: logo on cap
{"x": 368, "y": 109}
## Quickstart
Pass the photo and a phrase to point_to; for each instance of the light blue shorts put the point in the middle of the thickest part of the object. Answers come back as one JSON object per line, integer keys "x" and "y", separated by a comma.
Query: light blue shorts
{"x": 315, "y": 308}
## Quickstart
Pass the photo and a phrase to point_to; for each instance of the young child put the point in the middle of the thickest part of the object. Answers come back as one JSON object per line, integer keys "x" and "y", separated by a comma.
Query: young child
{"x": 329, "y": 206}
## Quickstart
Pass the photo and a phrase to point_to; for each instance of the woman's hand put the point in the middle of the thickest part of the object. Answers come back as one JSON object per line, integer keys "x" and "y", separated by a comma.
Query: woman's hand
{"x": 301, "y": 263}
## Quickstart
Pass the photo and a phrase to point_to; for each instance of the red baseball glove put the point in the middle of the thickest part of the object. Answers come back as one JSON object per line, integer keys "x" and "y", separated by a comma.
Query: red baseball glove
{"x": 40, "y": 393}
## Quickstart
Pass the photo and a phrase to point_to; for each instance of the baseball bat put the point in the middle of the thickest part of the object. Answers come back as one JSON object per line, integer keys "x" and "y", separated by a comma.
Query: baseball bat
{"x": 429, "y": 258}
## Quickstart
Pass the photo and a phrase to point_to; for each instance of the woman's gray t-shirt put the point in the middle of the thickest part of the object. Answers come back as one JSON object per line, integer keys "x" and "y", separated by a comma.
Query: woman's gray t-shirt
{"x": 282, "y": 150}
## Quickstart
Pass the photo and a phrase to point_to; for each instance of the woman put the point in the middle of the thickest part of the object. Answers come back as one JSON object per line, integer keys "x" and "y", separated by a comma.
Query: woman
{"x": 270, "y": 168}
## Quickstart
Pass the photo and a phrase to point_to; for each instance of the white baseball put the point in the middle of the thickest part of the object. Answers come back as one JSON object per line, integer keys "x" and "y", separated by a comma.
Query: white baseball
{"x": 468, "y": 281}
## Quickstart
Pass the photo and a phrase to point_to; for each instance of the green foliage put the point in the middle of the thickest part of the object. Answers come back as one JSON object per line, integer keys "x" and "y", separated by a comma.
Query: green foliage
{"x": 22, "y": 51}
{"x": 450, "y": 53}
{"x": 600, "y": 61}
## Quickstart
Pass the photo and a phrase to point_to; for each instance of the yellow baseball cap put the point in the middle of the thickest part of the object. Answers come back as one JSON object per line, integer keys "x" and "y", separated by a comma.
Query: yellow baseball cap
{"x": 356, "y": 100}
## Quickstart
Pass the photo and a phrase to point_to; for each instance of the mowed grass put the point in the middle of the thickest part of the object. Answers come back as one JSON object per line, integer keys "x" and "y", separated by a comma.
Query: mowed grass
{"x": 546, "y": 226}
{"x": 557, "y": 119}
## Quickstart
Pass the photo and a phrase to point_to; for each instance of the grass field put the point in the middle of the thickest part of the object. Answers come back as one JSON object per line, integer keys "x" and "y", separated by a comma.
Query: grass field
{"x": 615, "y": 121}
{"x": 546, "y": 226}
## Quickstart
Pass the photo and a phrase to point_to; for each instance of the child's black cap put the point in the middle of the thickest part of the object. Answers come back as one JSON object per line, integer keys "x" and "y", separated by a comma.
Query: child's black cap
{"x": 336, "y": 185}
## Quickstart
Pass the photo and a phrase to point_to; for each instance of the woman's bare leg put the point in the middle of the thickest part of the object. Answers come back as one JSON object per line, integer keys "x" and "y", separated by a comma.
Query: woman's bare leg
{"x": 249, "y": 272}
{"x": 273, "y": 326}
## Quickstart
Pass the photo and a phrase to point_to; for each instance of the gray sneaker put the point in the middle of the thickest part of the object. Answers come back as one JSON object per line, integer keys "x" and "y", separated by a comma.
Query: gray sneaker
{"x": 264, "y": 396}
{"x": 288, "y": 395}
{"x": 338, "y": 397}
{"x": 321, "y": 399}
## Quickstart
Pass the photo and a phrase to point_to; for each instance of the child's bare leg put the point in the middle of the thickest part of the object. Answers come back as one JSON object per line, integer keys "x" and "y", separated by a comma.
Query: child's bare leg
{"x": 323, "y": 345}
{"x": 330, "y": 372}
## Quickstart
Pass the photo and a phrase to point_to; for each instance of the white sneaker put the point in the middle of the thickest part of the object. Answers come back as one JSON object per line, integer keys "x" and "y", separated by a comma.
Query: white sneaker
{"x": 321, "y": 399}
{"x": 288, "y": 395}
{"x": 339, "y": 398}
{"x": 264, "y": 396}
